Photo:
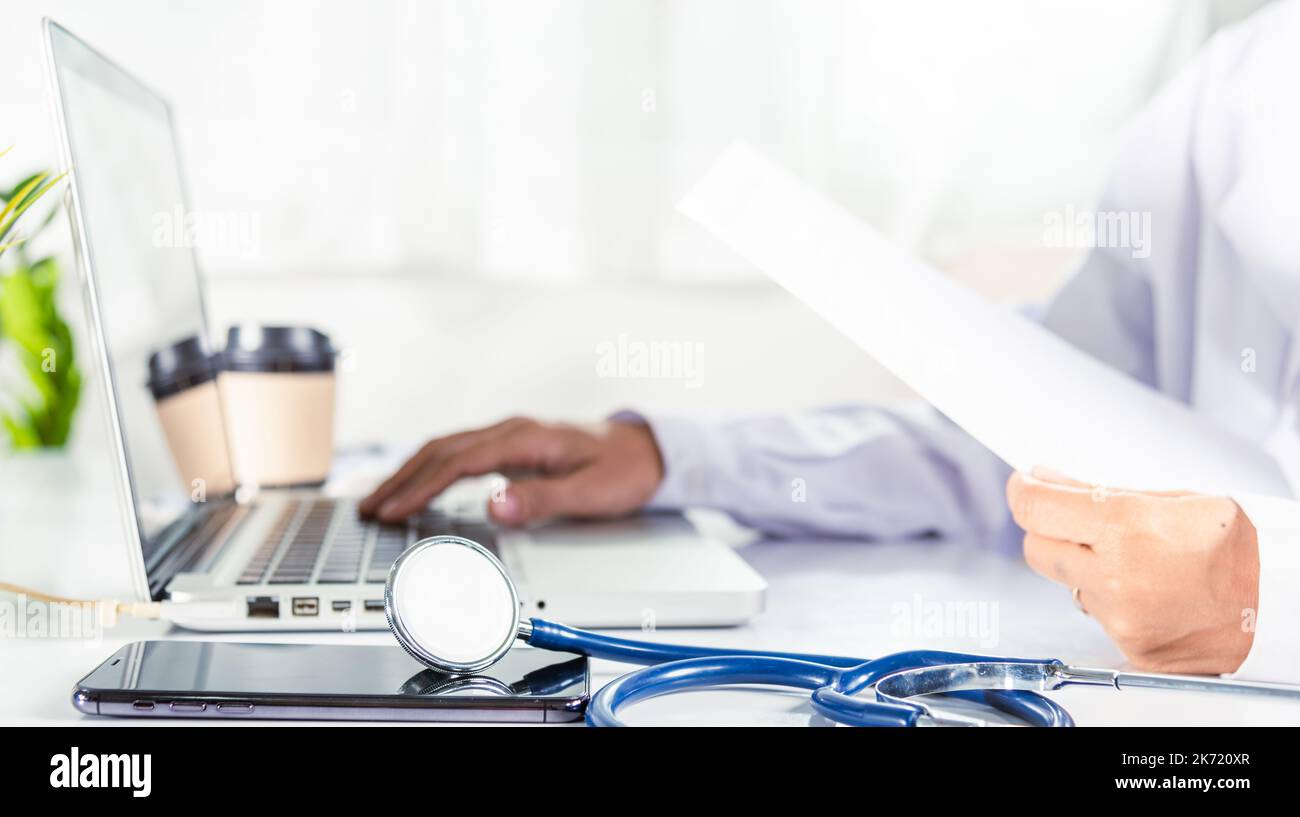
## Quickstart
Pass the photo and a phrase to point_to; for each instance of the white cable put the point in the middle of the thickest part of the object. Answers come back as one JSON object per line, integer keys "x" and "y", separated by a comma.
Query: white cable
{"x": 112, "y": 610}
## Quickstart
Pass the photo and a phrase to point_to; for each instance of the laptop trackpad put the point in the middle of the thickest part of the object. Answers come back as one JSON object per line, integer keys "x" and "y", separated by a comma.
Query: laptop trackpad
{"x": 641, "y": 552}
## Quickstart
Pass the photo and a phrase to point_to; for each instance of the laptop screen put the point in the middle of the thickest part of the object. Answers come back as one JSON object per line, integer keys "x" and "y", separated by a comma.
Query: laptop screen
{"x": 128, "y": 188}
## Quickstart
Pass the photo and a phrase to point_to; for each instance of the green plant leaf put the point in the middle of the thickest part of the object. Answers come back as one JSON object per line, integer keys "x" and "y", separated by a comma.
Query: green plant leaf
{"x": 30, "y": 320}
{"x": 22, "y": 310}
{"x": 17, "y": 198}
{"x": 42, "y": 190}
{"x": 21, "y": 434}
{"x": 12, "y": 193}
{"x": 25, "y": 197}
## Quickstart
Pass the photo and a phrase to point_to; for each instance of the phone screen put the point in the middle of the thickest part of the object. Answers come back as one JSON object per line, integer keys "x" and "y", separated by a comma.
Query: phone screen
{"x": 163, "y": 678}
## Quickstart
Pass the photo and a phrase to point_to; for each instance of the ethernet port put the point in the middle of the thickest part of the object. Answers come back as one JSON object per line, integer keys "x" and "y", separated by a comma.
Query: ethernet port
{"x": 263, "y": 606}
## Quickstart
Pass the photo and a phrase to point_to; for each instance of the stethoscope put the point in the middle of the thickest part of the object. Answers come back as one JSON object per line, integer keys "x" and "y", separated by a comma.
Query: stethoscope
{"x": 453, "y": 607}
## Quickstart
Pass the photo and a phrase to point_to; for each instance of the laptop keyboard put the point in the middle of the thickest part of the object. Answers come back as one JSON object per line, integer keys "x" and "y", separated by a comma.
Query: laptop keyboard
{"x": 342, "y": 564}
{"x": 324, "y": 541}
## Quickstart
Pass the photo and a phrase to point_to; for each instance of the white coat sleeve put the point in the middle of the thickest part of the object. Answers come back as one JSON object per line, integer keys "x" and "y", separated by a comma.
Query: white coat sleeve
{"x": 1275, "y": 653}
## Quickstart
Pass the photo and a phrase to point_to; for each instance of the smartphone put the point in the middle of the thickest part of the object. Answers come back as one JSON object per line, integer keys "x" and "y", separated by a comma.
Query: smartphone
{"x": 210, "y": 679}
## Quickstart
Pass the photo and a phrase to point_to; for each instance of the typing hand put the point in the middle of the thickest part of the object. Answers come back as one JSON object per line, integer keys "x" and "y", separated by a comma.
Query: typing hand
{"x": 604, "y": 470}
{"x": 1172, "y": 577}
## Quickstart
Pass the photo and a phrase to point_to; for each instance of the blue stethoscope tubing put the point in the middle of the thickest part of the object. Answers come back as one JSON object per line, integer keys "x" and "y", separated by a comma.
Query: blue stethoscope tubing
{"x": 458, "y": 630}
{"x": 834, "y": 680}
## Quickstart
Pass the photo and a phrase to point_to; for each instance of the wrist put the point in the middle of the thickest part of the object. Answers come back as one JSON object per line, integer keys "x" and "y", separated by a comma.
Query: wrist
{"x": 683, "y": 457}
{"x": 636, "y": 445}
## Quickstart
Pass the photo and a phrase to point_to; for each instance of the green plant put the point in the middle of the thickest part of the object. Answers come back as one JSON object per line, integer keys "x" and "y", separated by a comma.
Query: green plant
{"x": 29, "y": 317}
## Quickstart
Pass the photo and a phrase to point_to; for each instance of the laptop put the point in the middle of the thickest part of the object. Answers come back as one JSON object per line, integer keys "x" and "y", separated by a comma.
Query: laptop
{"x": 299, "y": 559}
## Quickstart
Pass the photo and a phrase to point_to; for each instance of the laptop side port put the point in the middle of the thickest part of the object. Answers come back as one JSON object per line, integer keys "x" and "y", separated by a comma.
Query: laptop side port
{"x": 374, "y": 605}
{"x": 341, "y": 605}
{"x": 263, "y": 607}
{"x": 306, "y": 606}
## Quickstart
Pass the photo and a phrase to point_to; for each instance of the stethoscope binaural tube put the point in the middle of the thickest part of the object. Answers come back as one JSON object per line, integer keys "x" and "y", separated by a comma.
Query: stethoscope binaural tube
{"x": 836, "y": 681}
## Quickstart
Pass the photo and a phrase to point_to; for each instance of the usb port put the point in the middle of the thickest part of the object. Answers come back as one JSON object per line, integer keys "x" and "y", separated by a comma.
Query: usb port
{"x": 263, "y": 607}
{"x": 306, "y": 606}
{"x": 341, "y": 605}
{"x": 374, "y": 605}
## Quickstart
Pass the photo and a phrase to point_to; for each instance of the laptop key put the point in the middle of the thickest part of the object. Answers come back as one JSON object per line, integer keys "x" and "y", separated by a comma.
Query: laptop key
{"x": 389, "y": 544}
{"x": 299, "y": 560}
{"x": 261, "y": 559}
{"x": 342, "y": 563}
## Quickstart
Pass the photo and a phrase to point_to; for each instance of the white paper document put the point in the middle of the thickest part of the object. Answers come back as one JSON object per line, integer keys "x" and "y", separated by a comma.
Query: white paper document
{"x": 1028, "y": 395}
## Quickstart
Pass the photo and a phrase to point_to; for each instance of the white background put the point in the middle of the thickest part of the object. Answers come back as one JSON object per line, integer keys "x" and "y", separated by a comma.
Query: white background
{"x": 472, "y": 196}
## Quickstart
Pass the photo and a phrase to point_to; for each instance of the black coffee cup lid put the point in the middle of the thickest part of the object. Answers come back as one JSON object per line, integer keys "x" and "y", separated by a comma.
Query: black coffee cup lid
{"x": 277, "y": 349}
{"x": 183, "y": 364}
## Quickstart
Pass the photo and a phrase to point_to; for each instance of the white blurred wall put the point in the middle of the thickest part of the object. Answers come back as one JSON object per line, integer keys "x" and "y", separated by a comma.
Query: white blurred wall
{"x": 549, "y": 140}
{"x": 473, "y": 196}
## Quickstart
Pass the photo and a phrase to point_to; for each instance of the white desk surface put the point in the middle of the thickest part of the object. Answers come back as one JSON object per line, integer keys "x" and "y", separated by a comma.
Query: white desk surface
{"x": 843, "y": 597}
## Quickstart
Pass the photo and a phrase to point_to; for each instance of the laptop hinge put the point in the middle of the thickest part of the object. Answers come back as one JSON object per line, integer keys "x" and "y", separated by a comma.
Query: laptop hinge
{"x": 164, "y": 543}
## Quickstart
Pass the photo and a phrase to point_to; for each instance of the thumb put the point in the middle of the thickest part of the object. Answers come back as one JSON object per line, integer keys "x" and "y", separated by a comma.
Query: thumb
{"x": 537, "y": 499}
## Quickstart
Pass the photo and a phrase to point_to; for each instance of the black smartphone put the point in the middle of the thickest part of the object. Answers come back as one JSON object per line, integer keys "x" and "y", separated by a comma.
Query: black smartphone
{"x": 212, "y": 679}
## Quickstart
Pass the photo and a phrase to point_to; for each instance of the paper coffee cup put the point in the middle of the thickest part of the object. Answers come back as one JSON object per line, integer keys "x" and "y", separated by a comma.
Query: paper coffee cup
{"x": 277, "y": 386}
{"x": 183, "y": 380}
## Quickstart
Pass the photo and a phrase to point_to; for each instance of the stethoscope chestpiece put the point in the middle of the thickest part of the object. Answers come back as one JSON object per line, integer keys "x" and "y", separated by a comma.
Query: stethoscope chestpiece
{"x": 451, "y": 605}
